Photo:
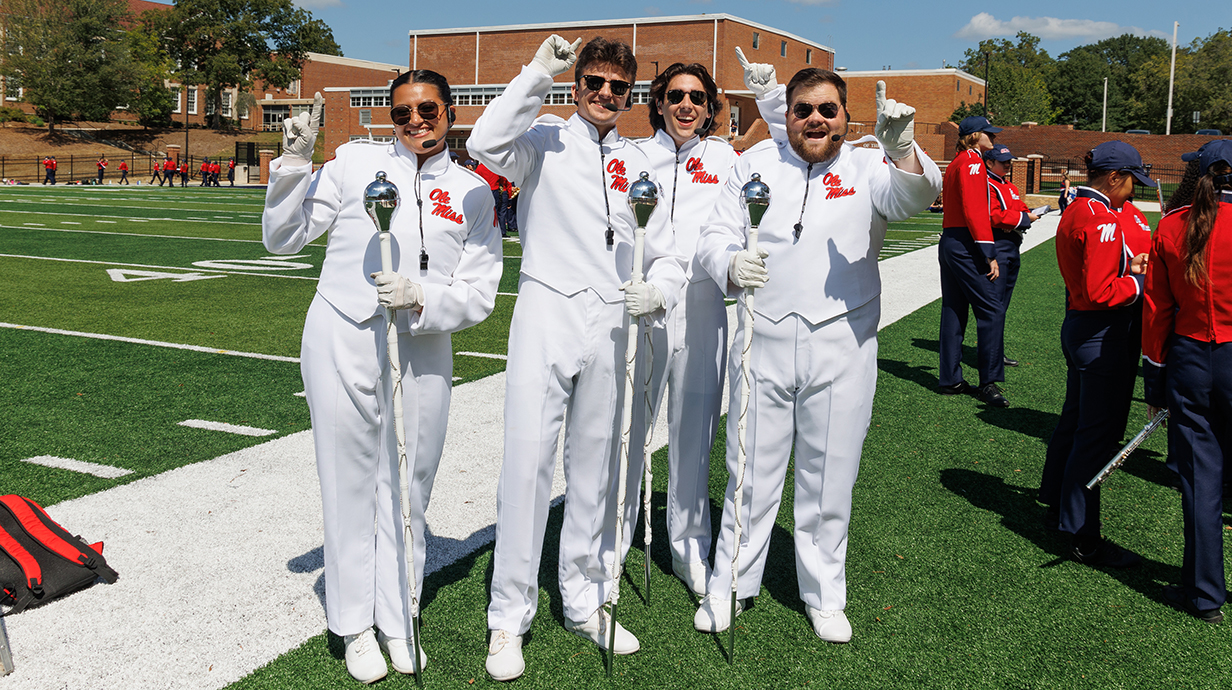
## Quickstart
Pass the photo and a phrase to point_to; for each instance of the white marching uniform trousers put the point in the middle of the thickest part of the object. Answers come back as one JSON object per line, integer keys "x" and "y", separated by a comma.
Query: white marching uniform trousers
{"x": 814, "y": 388}
{"x": 347, "y": 384}
{"x": 566, "y": 365}
{"x": 688, "y": 355}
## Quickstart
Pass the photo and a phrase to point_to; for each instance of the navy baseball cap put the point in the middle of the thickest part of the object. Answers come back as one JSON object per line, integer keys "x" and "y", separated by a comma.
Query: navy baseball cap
{"x": 975, "y": 123}
{"x": 1211, "y": 153}
{"x": 1119, "y": 156}
{"x": 999, "y": 152}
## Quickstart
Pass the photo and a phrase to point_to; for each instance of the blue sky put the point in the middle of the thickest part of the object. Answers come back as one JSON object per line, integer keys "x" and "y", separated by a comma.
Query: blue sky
{"x": 864, "y": 34}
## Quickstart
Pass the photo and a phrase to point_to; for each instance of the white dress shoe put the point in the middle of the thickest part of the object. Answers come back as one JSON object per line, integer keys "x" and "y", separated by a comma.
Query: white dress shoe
{"x": 694, "y": 574}
{"x": 399, "y": 651}
{"x": 714, "y": 614}
{"x": 596, "y": 630}
{"x": 363, "y": 657}
{"x": 505, "y": 656}
{"x": 831, "y": 626}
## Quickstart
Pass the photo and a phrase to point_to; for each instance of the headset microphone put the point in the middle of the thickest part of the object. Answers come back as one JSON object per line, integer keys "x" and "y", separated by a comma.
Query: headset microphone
{"x": 836, "y": 137}
{"x": 612, "y": 108}
{"x": 430, "y": 143}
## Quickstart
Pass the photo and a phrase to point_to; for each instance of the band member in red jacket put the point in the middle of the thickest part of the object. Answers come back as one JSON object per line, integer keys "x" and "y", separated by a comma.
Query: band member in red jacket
{"x": 1187, "y": 366}
{"x": 970, "y": 274}
{"x": 123, "y": 172}
{"x": 183, "y": 174}
{"x": 1100, "y": 250}
{"x": 102, "y": 168}
{"x": 1010, "y": 219}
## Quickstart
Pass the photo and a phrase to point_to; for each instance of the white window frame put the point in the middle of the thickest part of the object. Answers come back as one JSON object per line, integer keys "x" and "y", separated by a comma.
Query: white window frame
{"x": 227, "y": 110}
{"x": 191, "y": 97}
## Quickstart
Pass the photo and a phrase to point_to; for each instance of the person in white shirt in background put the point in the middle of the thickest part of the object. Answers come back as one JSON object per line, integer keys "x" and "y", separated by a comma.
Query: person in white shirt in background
{"x": 814, "y": 346}
{"x": 693, "y": 166}
{"x": 566, "y": 341}
{"x": 447, "y": 262}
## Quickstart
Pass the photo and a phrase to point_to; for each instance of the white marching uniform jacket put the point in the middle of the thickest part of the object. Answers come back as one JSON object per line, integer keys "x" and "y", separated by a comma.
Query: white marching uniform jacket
{"x": 344, "y": 353}
{"x": 814, "y": 349}
{"x": 565, "y": 341}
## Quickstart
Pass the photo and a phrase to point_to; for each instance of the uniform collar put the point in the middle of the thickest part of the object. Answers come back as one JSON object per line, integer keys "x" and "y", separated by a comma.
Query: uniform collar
{"x": 584, "y": 127}
{"x": 667, "y": 142}
{"x": 1088, "y": 193}
{"x": 436, "y": 165}
{"x": 1225, "y": 197}
{"x": 786, "y": 146}
{"x": 995, "y": 176}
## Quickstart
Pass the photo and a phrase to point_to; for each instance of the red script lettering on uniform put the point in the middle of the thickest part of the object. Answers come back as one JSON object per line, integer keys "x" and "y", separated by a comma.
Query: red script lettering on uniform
{"x": 700, "y": 176}
{"x": 440, "y": 203}
{"x": 834, "y": 187}
{"x": 620, "y": 178}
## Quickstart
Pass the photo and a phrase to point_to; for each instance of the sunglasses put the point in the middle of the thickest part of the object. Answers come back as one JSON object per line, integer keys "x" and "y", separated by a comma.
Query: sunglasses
{"x": 803, "y": 110}
{"x": 594, "y": 83}
{"x": 428, "y": 110}
{"x": 676, "y": 95}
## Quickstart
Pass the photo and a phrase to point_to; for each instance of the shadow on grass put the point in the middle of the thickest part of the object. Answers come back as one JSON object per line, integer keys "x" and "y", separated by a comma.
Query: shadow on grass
{"x": 1023, "y": 420}
{"x": 1019, "y": 512}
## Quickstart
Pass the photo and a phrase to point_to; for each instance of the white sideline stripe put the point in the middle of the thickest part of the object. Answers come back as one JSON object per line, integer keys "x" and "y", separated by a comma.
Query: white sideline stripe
{"x": 118, "y": 218}
{"x": 301, "y": 394}
{"x": 483, "y": 354}
{"x": 229, "y": 428}
{"x": 255, "y": 517}
{"x": 507, "y": 294}
{"x": 104, "y": 471}
{"x": 109, "y": 222}
{"x": 165, "y": 268}
{"x": 156, "y": 343}
{"x": 146, "y": 234}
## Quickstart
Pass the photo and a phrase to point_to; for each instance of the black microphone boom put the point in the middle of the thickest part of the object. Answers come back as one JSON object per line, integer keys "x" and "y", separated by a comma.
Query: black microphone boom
{"x": 430, "y": 143}
{"x": 612, "y": 108}
{"x": 836, "y": 137}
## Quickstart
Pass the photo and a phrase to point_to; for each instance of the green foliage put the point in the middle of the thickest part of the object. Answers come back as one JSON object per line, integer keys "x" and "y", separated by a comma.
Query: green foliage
{"x": 70, "y": 56}
{"x": 152, "y": 101}
{"x": 227, "y": 44}
{"x": 1077, "y": 84}
{"x": 965, "y": 110}
{"x": 8, "y": 114}
{"x": 1206, "y": 85}
{"x": 1017, "y": 76}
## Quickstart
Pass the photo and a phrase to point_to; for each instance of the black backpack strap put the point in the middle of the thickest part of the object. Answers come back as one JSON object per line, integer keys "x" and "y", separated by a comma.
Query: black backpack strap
{"x": 29, "y": 565}
{"x": 39, "y": 525}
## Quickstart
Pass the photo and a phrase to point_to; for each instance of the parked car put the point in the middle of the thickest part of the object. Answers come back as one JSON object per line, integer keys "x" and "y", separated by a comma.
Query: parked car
{"x": 1137, "y": 131}
{"x": 1211, "y": 132}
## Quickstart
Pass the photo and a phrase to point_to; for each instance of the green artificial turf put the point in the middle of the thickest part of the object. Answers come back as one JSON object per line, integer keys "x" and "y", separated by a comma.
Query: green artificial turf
{"x": 953, "y": 582}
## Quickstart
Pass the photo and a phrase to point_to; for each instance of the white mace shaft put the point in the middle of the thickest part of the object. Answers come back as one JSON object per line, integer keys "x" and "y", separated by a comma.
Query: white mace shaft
{"x": 626, "y": 418}
{"x": 404, "y": 469}
{"x": 742, "y": 424}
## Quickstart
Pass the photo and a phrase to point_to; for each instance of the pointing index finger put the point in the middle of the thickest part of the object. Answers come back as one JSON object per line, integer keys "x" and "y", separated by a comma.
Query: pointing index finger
{"x": 317, "y": 103}
{"x": 744, "y": 62}
{"x": 881, "y": 96}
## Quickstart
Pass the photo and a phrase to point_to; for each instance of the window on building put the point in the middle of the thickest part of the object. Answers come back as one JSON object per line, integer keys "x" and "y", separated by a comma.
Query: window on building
{"x": 808, "y": 56}
{"x": 958, "y": 86}
{"x": 969, "y": 90}
{"x": 365, "y": 117}
{"x": 782, "y": 48}
{"x": 272, "y": 117}
{"x": 226, "y": 104}
{"x": 209, "y": 105}
{"x": 178, "y": 98}
{"x": 756, "y": 40}
{"x": 192, "y": 101}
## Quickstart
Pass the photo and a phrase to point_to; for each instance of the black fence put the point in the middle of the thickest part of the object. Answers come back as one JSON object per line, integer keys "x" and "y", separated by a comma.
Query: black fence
{"x": 1053, "y": 172}
{"x": 249, "y": 153}
{"x": 84, "y": 169}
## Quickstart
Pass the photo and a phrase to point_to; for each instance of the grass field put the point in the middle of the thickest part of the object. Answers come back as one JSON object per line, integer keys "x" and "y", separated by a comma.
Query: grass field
{"x": 952, "y": 580}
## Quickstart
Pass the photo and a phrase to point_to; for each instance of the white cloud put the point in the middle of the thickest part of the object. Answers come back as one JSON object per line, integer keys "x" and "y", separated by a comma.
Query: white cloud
{"x": 318, "y": 4}
{"x": 984, "y": 25}
{"x": 813, "y": 2}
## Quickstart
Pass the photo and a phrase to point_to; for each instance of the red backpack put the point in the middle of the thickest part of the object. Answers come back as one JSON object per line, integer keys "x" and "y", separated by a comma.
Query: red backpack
{"x": 39, "y": 560}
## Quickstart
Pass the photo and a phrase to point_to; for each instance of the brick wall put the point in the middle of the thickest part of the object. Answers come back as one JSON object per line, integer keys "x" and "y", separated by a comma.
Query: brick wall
{"x": 934, "y": 96}
{"x": 1062, "y": 142}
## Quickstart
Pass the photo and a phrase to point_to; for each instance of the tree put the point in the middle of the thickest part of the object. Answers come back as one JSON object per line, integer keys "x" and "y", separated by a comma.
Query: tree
{"x": 1077, "y": 83}
{"x": 226, "y": 44}
{"x": 965, "y": 110}
{"x": 1017, "y": 91}
{"x": 70, "y": 56}
{"x": 317, "y": 37}
{"x": 1206, "y": 86}
{"x": 152, "y": 101}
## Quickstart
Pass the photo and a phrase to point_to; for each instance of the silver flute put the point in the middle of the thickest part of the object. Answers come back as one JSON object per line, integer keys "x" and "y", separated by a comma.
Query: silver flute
{"x": 1119, "y": 459}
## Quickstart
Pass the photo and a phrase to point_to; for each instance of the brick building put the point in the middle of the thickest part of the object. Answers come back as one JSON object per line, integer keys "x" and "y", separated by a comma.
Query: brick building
{"x": 480, "y": 61}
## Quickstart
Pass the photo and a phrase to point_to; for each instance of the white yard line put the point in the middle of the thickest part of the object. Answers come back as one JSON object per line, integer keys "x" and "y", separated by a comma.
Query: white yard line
{"x": 487, "y": 355}
{"x": 156, "y": 343}
{"x": 172, "y": 268}
{"x": 104, "y": 471}
{"x": 254, "y": 518}
{"x": 141, "y": 234}
{"x": 227, "y": 428}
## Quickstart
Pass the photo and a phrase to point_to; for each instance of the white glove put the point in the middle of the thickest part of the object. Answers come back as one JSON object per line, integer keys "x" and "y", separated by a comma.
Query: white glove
{"x": 895, "y": 125}
{"x": 395, "y": 291}
{"x": 748, "y": 271}
{"x": 758, "y": 76}
{"x": 642, "y": 298}
{"x": 555, "y": 56}
{"x": 299, "y": 135}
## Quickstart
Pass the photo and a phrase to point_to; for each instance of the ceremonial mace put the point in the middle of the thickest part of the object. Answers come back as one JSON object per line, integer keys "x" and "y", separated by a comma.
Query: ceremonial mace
{"x": 643, "y": 197}
{"x": 380, "y": 202}
{"x": 755, "y": 198}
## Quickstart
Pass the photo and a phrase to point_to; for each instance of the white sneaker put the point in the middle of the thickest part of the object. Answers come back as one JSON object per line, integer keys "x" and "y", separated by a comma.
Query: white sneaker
{"x": 363, "y": 658}
{"x": 694, "y": 574}
{"x": 596, "y": 630}
{"x": 831, "y": 626}
{"x": 714, "y": 614}
{"x": 505, "y": 656}
{"x": 399, "y": 651}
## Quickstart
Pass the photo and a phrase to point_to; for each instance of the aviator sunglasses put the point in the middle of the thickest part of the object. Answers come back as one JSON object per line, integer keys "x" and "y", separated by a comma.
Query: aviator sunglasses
{"x": 594, "y": 83}
{"x": 803, "y": 110}
{"x": 676, "y": 96}
{"x": 428, "y": 110}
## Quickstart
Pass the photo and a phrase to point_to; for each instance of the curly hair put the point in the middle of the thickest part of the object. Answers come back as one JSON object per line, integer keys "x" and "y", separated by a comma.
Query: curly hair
{"x": 1184, "y": 193}
{"x": 658, "y": 92}
{"x": 1202, "y": 214}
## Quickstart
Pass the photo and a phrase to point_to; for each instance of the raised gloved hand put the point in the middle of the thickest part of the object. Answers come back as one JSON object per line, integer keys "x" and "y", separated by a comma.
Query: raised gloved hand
{"x": 758, "y": 76}
{"x": 642, "y": 298}
{"x": 395, "y": 291}
{"x": 299, "y": 135}
{"x": 555, "y": 56}
{"x": 747, "y": 270}
{"x": 895, "y": 125}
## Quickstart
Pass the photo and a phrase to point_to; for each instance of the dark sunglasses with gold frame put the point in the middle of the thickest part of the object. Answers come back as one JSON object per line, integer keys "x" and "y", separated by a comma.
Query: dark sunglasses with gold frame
{"x": 595, "y": 83}
{"x": 428, "y": 111}
{"x": 698, "y": 98}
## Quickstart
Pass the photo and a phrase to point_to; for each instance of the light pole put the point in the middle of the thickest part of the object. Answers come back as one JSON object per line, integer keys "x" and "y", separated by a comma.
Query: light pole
{"x": 1104, "y": 126}
{"x": 1171, "y": 79}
